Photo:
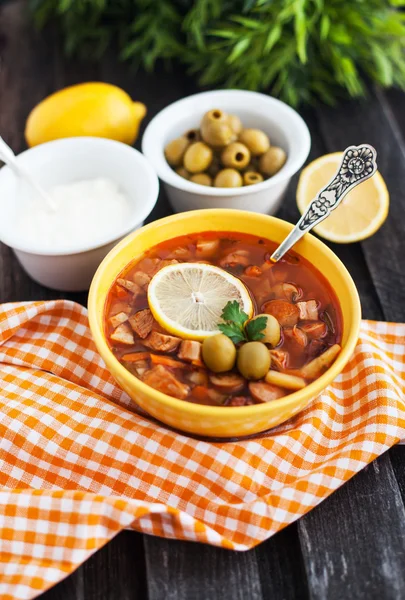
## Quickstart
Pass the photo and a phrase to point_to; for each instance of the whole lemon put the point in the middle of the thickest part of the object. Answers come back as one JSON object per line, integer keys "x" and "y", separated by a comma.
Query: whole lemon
{"x": 90, "y": 109}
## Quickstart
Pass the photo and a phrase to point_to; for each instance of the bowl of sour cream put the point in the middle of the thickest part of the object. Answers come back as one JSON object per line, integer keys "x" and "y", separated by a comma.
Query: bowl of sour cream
{"x": 101, "y": 191}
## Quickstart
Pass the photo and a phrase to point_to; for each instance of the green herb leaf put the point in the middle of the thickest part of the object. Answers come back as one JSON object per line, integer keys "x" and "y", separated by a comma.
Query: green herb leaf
{"x": 233, "y": 332}
{"x": 233, "y": 312}
{"x": 300, "y": 50}
{"x": 254, "y": 329}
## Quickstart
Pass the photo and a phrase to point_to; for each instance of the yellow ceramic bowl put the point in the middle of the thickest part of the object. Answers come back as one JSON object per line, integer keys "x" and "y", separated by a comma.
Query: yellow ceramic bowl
{"x": 209, "y": 420}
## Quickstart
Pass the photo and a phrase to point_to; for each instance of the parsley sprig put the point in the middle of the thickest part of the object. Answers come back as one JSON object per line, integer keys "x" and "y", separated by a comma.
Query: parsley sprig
{"x": 237, "y": 325}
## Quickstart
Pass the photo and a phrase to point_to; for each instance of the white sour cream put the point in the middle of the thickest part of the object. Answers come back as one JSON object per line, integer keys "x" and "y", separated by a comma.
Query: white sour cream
{"x": 87, "y": 212}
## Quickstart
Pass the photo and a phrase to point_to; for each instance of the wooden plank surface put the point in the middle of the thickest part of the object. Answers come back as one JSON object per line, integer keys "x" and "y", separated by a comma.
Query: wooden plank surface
{"x": 352, "y": 545}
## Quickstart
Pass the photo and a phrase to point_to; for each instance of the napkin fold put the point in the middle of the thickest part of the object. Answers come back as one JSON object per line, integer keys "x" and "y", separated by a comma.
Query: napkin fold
{"x": 78, "y": 463}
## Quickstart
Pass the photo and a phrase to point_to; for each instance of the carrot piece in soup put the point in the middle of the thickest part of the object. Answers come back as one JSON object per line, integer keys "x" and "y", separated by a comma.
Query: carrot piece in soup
{"x": 135, "y": 356}
{"x": 168, "y": 361}
{"x": 200, "y": 392}
{"x": 253, "y": 271}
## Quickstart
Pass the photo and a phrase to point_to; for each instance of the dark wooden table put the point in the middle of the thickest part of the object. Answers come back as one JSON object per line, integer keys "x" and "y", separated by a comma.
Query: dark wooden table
{"x": 353, "y": 545}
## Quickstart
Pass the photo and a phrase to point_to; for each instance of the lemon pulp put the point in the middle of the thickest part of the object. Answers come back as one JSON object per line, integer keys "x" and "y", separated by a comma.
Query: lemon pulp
{"x": 360, "y": 214}
{"x": 187, "y": 299}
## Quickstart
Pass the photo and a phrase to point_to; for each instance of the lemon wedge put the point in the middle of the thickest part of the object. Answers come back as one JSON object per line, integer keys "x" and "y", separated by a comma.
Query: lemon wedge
{"x": 187, "y": 299}
{"x": 360, "y": 213}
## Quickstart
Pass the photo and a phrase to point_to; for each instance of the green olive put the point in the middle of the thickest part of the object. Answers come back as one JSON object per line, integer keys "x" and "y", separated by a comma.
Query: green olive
{"x": 272, "y": 331}
{"x": 235, "y": 123}
{"x": 235, "y": 155}
{"x": 218, "y": 135}
{"x": 215, "y": 115}
{"x": 272, "y": 160}
{"x": 183, "y": 172}
{"x": 201, "y": 178}
{"x": 253, "y": 360}
{"x": 256, "y": 140}
{"x": 228, "y": 178}
{"x": 252, "y": 177}
{"x": 216, "y": 129}
{"x": 174, "y": 151}
{"x": 198, "y": 157}
{"x": 219, "y": 353}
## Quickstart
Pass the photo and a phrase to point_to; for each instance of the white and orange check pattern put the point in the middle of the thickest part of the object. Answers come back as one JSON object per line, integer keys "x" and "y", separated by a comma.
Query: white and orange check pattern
{"x": 77, "y": 466}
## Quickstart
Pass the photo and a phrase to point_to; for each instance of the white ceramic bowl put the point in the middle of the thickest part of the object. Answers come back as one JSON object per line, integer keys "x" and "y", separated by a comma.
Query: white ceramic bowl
{"x": 64, "y": 161}
{"x": 283, "y": 125}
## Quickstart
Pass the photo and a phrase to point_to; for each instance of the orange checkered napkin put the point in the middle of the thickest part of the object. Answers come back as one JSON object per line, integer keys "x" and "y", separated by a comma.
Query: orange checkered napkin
{"x": 78, "y": 466}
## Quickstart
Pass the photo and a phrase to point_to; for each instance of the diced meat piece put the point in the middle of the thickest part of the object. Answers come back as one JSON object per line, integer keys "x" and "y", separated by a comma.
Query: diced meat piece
{"x": 198, "y": 377}
{"x": 162, "y": 342}
{"x": 253, "y": 271}
{"x": 164, "y": 381}
{"x": 182, "y": 253}
{"x": 240, "y": 401}
{"x": 117, "y": 319}
{"x": 296, "y": 335}
{"x": 279, "y": 359}
{"x": 314, "y": 329}
{"x": 167, "y": 263}
{"x": 229, "y": 383}
{"x": 142, "y": 279}
{"x": 137, "y": 368}
{"x": 120, "y": 292}
{"x": 240, "y": 257}
{"x": 189, "y": 350}
{"x": 142, "y": 322}
{"x": 320, "y": 364}
{"x": 286, "y": 313}
{"x": 216, "y": 396}
{"x": 123, "y": 334}
{"x": 130, "y": 286}
{"x": 118, "y": 307}
{"x": 265, "y": 392}
{"x": 287, "y": 291}
{"x": 149, "y": 265}
{"x": 206, "y": 248}
{"x": 308, "y": 310}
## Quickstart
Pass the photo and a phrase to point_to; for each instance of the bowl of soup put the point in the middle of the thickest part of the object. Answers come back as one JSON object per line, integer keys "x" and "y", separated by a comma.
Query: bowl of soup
{"x": 309, "y": 295}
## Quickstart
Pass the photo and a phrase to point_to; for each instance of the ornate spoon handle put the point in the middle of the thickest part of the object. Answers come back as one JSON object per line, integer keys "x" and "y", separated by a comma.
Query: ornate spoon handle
{"x": 358, "y": 164}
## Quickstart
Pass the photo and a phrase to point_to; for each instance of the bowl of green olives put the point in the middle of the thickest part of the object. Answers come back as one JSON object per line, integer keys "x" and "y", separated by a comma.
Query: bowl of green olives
{"x": 227, "y": 149}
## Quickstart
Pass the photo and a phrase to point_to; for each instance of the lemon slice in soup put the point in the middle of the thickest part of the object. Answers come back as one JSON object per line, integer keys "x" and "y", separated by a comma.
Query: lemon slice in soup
{"x": 187, "y": 299}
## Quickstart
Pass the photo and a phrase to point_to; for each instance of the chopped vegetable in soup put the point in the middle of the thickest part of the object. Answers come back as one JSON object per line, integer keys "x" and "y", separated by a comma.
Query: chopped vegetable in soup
{"x": 280, "y": 330}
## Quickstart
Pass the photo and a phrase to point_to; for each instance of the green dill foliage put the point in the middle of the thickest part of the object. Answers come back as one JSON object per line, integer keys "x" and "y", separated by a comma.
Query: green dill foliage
{"x": 236, "y": 326}
{"x": 301, "y": 50}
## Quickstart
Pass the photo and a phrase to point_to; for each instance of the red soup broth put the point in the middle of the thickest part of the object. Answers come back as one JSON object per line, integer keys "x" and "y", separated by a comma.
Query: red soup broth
{"x": 247, "y": 257}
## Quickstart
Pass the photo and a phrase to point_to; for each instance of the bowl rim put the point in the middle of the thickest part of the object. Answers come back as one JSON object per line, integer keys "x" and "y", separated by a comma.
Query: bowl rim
{"x": 146, "y": 207}
{"x": 169, "y": 176}
{"x": 188, "y": 408}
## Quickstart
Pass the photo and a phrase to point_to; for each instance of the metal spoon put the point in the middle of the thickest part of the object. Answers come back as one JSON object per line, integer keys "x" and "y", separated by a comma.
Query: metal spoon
{"x": 358, "y": 164}
{"x": 7, "y": 155}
